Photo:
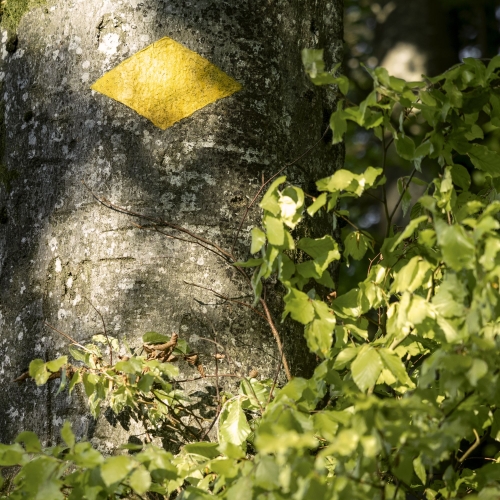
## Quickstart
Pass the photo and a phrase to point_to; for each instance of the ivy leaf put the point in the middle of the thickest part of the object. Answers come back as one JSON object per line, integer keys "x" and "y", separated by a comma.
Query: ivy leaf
{"x": 233, "y": 425}
{"x": 366, "y": 368}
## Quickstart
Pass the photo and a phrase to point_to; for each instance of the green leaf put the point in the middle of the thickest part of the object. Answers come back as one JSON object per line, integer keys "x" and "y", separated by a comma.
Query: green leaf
{"x": 299, "y": 306}
{"x": 267, "y": 473}
{"x": 249, "y": 263}
{"x": 346, "y": 180}
{"x": 356, "y": 245}
{"x": 460, "y": 176}
{"x": 405, "y": 192}
{"x": 30, "y": 440}
{"x": 207, "y": 450}
{"x": 405, "y": 147}
{"x": 140, "y": 480}
{"x": 347, "y": 305}
{"x": 56, "y": 364}
{"x": 319, "y": 202}
{"x": 425, "y": 149}
{"x": 145, "y": 382}
{"x": 457, "y": 247}
{"x": 155, "y": 338}
{"x": 344, "y": 357}
{"x": 77, "y": 354}
{"x": 67, "y": 434}
{"x": 319, "y": 332}
{"x": 258, "y": 240}
{"x": 366, "y": 368}
{"x": 270, "y": 199}
{"x": 38, "y": 371}
{"x": 408, "y": 231}
{"x": 394, "y": 364}
{"x": 132, "y": 365}
{"x": 115, "y": 469}
{"x": 274, "y": 230}
{"x": 312, "y": 59}
{"x": 324, "y": 250}
{"x": 477, "y": 371}
{"x": 338, "y": 124}
{"x": 233, "y": 425}
{"x": 485, "y": 159}
{"x": 419, "y": 468}
{"x": 411, "y": 276}
{"x": 75, "y": 379}
{"x": 11, "y": 454}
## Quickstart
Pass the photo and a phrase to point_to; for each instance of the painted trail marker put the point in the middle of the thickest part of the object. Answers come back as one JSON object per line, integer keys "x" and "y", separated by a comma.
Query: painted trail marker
{"x": 166, "y": 82}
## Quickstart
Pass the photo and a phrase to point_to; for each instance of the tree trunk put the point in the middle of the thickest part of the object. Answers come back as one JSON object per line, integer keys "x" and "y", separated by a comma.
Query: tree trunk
{"x": 63, "y": 253}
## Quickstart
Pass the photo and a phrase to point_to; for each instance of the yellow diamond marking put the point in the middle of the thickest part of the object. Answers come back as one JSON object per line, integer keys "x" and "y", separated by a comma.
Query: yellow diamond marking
{"x": 166, "y": 82}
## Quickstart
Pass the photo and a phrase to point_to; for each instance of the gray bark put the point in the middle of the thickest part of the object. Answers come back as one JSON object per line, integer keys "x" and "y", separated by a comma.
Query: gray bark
{"x": 59, "y": 246}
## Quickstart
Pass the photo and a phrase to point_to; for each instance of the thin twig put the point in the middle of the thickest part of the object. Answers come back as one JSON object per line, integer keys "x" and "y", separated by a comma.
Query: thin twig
{"x": 224, "y": 297}
{"x": 277, "y": 338}
{"x": 105, "y": 332}
{"x": 401, "y": 195}
{"x": 264, "y": 184}
{"x": 73, "y": 341}
{"x": 159, "y": 222}
{"x": 472, "y": 448}
{"x": 231, "y": 375}
{"x": 218, "y": 410}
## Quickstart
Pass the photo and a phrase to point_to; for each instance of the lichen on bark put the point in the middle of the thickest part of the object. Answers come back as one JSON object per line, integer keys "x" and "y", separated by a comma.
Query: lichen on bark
{"x": 12, "y": 11}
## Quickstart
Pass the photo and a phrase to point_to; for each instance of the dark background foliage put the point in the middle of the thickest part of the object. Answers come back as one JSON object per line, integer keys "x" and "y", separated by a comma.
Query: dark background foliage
{"x": 408, "y": 39}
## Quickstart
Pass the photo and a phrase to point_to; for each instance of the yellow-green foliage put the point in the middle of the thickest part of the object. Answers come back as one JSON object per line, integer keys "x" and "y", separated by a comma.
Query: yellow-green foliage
{"x": 13, "y": 10}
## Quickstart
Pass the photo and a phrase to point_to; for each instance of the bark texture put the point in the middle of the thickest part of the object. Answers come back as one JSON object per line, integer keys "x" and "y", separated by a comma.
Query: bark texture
{"x": 59, "y": 247}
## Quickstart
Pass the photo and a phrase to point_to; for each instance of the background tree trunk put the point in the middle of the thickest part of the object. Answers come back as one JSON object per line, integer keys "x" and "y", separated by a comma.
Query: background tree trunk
{"x": 58, "y": 246}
